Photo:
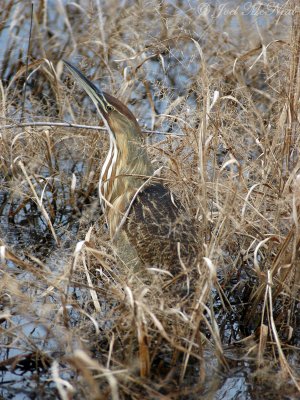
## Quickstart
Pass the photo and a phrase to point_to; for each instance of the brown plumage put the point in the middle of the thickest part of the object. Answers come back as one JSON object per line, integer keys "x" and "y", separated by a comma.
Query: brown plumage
{"x": 161, "y": 231}
{"x": 147, "y": 223}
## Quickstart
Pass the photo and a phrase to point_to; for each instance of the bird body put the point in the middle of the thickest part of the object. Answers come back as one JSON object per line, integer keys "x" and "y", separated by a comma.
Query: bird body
{"x": 161, "y": 231}
{"x": 147, "y": 223}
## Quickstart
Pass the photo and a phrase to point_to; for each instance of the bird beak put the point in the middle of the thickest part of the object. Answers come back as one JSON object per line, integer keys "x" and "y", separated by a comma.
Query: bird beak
{"x": 95, "y": 94}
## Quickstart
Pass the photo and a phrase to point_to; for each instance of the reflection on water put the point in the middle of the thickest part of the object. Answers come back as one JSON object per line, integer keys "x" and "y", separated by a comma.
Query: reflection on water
{"x": 234, "y": 388}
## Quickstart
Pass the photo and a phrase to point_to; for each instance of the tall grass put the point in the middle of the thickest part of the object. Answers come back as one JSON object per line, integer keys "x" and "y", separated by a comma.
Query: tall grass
{"x": 224, "y": 87}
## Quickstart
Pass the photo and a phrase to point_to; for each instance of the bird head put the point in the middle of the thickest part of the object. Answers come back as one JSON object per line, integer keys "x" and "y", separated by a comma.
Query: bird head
{"x": 118, "y": 119}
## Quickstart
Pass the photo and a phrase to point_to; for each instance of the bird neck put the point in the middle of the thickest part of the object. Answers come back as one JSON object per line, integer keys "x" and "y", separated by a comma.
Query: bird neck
{"x": 126, "y": 168}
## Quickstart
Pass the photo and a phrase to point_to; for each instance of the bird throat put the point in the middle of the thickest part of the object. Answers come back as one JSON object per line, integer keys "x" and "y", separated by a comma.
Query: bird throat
{"x": 124, "y": 172}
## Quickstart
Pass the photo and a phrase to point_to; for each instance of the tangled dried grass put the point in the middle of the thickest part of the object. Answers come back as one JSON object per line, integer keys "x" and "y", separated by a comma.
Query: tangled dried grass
{"x": 74, "y": 319}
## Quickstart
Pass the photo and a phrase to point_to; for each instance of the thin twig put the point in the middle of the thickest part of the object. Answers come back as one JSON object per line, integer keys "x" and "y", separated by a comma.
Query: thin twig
{"x": 27, "y": 60}
{"x": 39, "y": 202}
{"x": 79, "y": 126}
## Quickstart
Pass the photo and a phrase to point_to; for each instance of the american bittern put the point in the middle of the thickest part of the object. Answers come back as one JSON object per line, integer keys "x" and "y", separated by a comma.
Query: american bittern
{"x": 147, "y": 223}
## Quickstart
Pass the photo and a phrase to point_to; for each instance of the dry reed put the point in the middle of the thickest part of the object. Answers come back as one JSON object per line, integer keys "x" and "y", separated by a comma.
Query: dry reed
{"x": 225, "y": 90}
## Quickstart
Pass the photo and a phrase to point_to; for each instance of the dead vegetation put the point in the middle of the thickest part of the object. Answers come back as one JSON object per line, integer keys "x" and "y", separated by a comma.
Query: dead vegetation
{"x": 75, "y": 322}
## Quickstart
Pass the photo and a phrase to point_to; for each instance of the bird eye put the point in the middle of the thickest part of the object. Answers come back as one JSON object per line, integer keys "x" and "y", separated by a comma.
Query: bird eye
{"x": 109, "y": 107}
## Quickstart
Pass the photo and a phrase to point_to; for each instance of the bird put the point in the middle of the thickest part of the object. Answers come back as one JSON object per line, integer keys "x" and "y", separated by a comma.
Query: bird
{"x": 148, "y": 224}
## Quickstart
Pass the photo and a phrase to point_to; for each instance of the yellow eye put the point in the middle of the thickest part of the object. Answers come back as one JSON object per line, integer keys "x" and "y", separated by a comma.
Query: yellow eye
{"x": 109, "y": 108}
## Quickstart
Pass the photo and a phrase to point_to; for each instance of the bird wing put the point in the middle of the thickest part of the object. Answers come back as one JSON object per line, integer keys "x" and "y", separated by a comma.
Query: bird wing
{"x": 160, "y": 229}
